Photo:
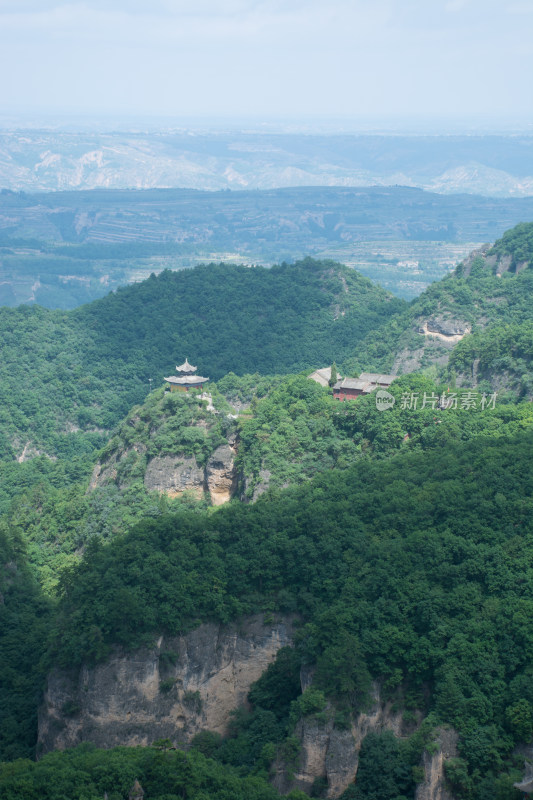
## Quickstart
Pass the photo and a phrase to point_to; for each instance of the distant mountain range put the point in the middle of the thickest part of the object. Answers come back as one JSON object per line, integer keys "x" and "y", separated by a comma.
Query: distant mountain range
{"x": 47, "y": 160}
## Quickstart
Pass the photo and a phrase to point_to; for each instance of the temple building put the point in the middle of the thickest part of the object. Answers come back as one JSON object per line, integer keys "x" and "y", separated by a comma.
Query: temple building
{"x": 186, "y": 379}
{"x": 366, "y": 382}
{"x": 323, "y": 376}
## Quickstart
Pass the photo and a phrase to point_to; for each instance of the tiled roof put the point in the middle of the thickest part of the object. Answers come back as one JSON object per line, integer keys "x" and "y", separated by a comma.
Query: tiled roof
{"x": 376, "y": 377}
{"x": 353, "y": 383}
{"x": 186, "y": 367}
{"x": 186, "y": 380}
{"x": 323, "y": 376}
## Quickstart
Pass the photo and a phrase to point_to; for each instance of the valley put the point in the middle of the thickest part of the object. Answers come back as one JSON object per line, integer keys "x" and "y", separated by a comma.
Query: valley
{"x": 66, "y": 248}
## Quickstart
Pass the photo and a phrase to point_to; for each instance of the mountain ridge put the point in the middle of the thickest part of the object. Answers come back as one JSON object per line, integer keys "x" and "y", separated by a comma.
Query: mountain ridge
{"x": 52, "y": 160}
{"x": 492, "y": 287}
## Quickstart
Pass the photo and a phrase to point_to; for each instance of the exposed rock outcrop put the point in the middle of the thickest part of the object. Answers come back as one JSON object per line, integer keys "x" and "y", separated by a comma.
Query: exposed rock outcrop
{"x": 174, "y": 475}
{"x": 173, "y": 690}
{"x": 260, "y": 486}
{"x": 433, "y": 786}
{"x": 220, "y": 474}
{"x": 437, "y": 336}
{"x": 136, "y": 792}
{"x": 331, "y": 753}
{"x": 493, "y": 263}
{"x": 109, "y": 471}
{"x": 446, "y": 329}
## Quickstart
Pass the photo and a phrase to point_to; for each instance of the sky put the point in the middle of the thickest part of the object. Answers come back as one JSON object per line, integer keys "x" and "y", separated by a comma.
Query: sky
{"x": 268, "y": 58}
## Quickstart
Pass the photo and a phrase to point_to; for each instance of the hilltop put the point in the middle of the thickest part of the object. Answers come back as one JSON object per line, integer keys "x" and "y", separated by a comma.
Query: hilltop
{"x": 454, "y": 317}
{"x": 67, "y": 378}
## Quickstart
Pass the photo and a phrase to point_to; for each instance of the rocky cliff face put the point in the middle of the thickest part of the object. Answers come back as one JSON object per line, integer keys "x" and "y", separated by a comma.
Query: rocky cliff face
{"x": 447, "y": 329}
{"x": 186, "y": 684}
{"x": 252, "y": 489}
{"x": 433, "y": 786}
{"x": 153, "y": 444}
{"x": 220, "y": 473}
{"x": 496, "y": 264}
{"x": 174, "y": 475}
{"x": 173, "y": 690}
{"x": 331, "y": 753}
{"x": 437, "y": 335}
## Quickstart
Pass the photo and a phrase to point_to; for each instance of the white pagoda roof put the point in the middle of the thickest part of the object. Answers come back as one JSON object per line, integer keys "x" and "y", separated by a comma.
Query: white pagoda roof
{"x": 186, "y": 380}
{"x": 186, "y": 367}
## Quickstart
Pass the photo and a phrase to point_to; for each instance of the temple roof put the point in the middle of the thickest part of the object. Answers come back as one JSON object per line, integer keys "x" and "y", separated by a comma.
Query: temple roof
{"x": 376, "y": 377}
{"x": 353, "y": 383}
{"x": 186, "y": 380}
{"x": 186, "y": 367}
{"x": 323, "y": 376}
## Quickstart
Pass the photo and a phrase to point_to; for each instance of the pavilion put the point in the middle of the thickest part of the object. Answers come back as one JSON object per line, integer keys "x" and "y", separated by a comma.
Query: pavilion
{"x": 186, "y": 379}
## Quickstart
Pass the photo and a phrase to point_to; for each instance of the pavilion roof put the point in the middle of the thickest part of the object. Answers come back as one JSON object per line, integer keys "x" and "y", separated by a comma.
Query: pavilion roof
{"x": 186, "y": 380}
{"x": 186, "y": 367}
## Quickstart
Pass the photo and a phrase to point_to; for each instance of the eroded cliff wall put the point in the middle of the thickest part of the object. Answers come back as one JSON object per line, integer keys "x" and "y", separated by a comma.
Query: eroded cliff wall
{"x": 331, "y": 753}
{"x": 173, "y": 690}
{"x": 186, "y": 684}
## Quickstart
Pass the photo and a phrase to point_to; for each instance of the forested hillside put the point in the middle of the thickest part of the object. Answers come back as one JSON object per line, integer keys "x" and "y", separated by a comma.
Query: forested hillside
{"x": 67, "y": 378}
{"x": 413, "y": 571}
{"x": 291, "y": 429}
{"x": 397, "y": 541}
{"x": 493, "y": 287}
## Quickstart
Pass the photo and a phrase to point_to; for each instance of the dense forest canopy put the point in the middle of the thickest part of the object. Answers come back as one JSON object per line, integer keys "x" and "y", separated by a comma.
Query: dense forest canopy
{"x": 291, "y": 430}
{"x": 68, "y": 377}
{"x": 417, "y": 565}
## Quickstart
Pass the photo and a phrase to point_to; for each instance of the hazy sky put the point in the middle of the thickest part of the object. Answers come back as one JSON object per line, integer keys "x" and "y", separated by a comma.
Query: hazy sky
{"x": 346, "y": 58}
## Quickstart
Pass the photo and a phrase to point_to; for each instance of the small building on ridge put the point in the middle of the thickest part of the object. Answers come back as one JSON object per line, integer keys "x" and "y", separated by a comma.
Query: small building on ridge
{"x": 367, "y": 382}
{"x": 186, "y": 379}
